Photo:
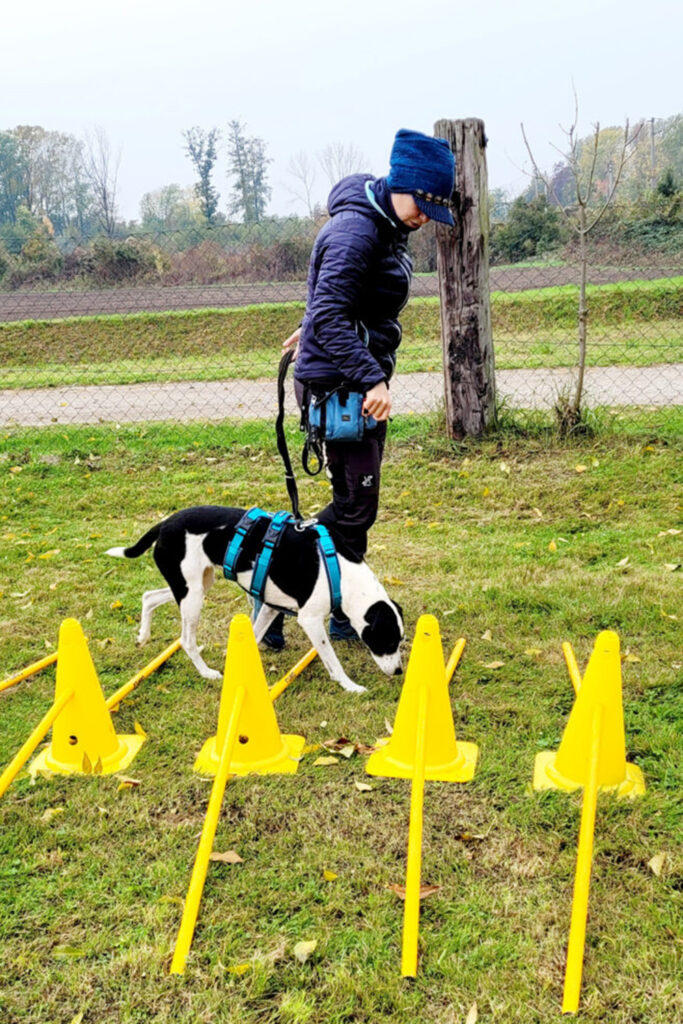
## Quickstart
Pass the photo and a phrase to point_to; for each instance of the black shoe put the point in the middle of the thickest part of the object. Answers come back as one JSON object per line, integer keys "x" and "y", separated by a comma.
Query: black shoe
{"x": 341, "y": 629}
{"x": 274, "y": 638}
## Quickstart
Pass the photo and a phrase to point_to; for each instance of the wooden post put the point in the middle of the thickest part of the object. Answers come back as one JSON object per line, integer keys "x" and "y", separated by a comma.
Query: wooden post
{"x": 463, "y": 265}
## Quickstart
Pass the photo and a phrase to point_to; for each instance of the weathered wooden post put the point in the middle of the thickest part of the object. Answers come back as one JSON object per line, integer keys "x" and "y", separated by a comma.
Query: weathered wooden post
{"x": 463, "y": 265}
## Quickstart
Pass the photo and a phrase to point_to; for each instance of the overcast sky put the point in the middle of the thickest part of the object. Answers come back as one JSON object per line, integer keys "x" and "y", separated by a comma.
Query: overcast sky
{"x": 305, "y": 73}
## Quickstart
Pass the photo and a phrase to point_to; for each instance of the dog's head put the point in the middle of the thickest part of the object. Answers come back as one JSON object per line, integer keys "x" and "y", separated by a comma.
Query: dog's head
{"x": 382, "y": 632}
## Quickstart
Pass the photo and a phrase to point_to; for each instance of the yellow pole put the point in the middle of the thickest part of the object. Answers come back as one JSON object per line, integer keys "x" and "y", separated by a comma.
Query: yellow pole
{"x": 411, "y": 913}
{"x": 282, "y": 684}
{"x": 572, "y": 667}
{"x": 28, "y": 671}
{"x": 582, "y": 880}
{"x": 194, "y": 893}
{"x": 454, "y": 659}
{"x": 123, "y": 691}
{"x": 40, "y": 731}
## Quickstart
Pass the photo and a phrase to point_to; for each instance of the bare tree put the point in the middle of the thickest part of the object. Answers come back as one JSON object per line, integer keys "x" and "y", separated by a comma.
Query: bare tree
{"x": 338, "y": 159}
{"x": 101, "y": 168}
{"x": 583, "y": 215}
{"x": 302, "y": 170}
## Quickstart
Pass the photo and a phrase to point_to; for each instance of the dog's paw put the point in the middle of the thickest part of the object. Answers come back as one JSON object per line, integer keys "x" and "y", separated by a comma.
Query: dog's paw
{"x": 141, "y": 639}
{"x": 353, "y": 687}
{"x": 211, "y": 673}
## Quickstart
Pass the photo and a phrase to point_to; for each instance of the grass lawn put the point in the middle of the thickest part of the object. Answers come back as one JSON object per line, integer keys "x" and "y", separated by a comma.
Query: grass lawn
{"x": 516, "y": 544}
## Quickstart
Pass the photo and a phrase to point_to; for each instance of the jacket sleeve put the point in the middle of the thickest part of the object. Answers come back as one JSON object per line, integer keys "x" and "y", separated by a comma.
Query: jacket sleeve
{"x": 340, "y": 289}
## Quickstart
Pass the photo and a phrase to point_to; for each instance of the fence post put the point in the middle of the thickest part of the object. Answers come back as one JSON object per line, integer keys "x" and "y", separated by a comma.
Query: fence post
{"x": 463, "y": 265}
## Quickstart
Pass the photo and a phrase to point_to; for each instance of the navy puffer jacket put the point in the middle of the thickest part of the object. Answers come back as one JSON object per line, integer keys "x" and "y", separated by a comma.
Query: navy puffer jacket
{"x": 358, "y": 282}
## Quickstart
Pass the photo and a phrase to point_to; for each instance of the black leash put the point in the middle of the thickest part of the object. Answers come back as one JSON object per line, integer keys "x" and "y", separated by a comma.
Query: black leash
{"x": 290, "y": 479}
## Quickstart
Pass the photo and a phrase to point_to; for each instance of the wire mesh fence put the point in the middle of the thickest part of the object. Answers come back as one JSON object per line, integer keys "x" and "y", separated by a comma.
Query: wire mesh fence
{"x": 188, "y": 326}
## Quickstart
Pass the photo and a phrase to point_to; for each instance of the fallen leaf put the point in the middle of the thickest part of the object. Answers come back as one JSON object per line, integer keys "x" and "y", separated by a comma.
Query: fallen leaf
{"x": 532, "y": 651}
{"x": 666, "y": 615}
{"x": 623, "y": 562}
{"x": 388, "y": 726}
{"x": 329, "y": 876}
{"x": 504, "y": 468}
{"x": 580, "y": 469}
{"x": 668, "y": 533}
{"x": 485, "y": 493}
{"x": 50, "y": 813}
{"x": 425, "y": 890}
{"x": 552, "y": 546}
{"x": 473, "y": 1015}
{"x": 127, "y": 783}
{"x": 487, "y": 635}
{"x": 239, "y": 969}
{"x": 657, "y": 863}
{"x": 363, "y": 787}
{"x": 364, "y": 748}
{"x": 493, "y": 664}
{"x": 229, "y": 857}
{"x": 68, "y": 952}
{"x": 470, "y": 837}
{"x": 323, "y": 761}
{"x": 632, "y": 659}
{"x": 348, "y": 750}
{"x": 49, "y": 554}
{"x": 310, "y": 748}
{"x": 78, "y": 1018}
{"x": 393, "y": 581}
{"x": 303, "y": 950}
{"x": 116, "y": 604}
{"x": 102, "y": 810}
{"x": 672, "y": 566}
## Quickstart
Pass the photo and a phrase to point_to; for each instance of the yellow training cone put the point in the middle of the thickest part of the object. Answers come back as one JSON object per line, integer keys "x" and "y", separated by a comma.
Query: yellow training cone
{"x": 260, "y": 746}
{"x": 84, "y": 740}
{"x": 445, "y": 759}
{"x": 569, "y": 767}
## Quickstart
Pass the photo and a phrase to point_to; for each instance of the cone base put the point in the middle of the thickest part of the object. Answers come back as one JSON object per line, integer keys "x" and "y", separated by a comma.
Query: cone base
{"x": 546, "y": 776}
{"x": 128, "y": 746}
{"x": 460, "y": 769}
{"x": 284, "y": 762}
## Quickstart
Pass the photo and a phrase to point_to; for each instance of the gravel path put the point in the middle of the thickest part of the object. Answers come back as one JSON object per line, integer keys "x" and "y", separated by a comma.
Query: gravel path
{"x": 415, "y": 392}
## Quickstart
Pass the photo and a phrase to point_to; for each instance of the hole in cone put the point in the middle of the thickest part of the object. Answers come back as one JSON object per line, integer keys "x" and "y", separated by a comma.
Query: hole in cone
{"x": 73, "y": 740}
{"x": 243, "y": 739}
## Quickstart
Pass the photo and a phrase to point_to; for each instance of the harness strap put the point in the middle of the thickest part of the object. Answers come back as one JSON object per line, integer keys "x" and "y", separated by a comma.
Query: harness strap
{"x": 331, "y": 563}
{"x": 242, "y": 530}
{"x": 270, "y": 542}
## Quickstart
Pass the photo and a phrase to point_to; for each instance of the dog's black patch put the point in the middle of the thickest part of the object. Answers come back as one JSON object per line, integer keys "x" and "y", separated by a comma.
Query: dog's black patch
{"x": 382, "y": 633}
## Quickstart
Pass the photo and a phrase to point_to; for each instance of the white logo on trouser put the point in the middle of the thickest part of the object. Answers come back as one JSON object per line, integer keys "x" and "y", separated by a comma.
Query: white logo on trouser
{"x": 367, "y": 481}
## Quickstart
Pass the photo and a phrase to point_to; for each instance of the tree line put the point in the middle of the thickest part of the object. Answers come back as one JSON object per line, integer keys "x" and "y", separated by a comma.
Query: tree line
{"x": 59, "y": 205}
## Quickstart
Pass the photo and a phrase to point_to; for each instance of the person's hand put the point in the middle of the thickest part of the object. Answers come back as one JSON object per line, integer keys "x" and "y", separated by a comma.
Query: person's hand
{"x": 292, "y": 342}
{"x": 377, "y": 402}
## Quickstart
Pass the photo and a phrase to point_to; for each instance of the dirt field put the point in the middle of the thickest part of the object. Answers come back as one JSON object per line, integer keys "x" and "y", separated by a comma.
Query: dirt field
{"x": 38, "y": 304}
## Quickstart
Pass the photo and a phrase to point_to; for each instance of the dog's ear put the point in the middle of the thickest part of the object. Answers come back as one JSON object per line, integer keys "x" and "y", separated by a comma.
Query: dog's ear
{"x": 382, "y": 633}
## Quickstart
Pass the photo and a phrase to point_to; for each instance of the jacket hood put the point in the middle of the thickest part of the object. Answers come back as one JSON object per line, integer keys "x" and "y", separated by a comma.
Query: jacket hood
{"x": 351, "y": 193}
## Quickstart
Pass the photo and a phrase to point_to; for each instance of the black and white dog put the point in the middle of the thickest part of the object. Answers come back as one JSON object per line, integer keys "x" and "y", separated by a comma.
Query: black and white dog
{"x": 191, "y": 542}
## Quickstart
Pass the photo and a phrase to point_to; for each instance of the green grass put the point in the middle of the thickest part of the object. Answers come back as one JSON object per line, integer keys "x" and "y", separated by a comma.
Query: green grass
{"x": 90, "y": 900}
{"x": 634, "y": 323}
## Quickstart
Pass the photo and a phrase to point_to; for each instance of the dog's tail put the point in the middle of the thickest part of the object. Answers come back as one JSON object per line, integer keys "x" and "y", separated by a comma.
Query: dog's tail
{"x": 135, "y": 550}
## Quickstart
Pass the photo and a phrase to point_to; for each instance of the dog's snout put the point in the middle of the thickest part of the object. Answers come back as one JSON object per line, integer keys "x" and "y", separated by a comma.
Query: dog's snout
{"x": 398, "y": 671}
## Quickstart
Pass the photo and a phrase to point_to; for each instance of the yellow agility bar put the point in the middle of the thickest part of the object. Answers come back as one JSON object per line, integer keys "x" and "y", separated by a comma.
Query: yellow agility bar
{"x": 584, "y": 860}
{"x": 30, "y": 670}
{"x": 123, "y": 691}
{"x": 572, "y": 666}
{"x": 411, "y": 913}
{"x": 194, "y": 893}
{"x": 454, "y": 659}
{"x": 39, "y": 733}
{"x": 277, "y": 688}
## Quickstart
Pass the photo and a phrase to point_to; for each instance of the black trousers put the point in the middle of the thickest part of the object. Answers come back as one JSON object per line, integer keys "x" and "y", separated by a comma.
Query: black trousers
{"x": 354, "y": 471}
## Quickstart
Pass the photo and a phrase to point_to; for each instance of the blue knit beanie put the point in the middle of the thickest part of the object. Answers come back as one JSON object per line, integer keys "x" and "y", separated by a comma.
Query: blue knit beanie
{"x": 424, "y": 167}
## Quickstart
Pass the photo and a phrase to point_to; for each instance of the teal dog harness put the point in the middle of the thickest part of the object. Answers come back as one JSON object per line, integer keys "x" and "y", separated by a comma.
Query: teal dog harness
{"x": 276, "y": 526}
